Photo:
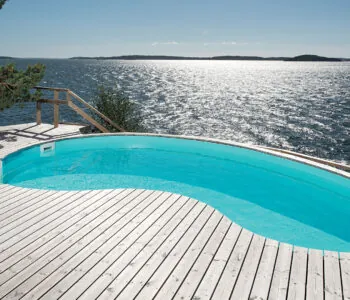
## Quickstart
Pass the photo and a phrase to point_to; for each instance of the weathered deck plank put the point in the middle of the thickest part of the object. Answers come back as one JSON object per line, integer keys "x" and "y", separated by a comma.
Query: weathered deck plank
{"x": 194, "y": 239}
{"x": 280, "y": 279}
{"x": 147, "y": 261}
{"x": 14, "y": 241}
{"x": 188, "y": 273}
{"x": 13, "y": 194}
{"x": 298, "y": 274}
{"x": 332, "y": 285}
{"x": 264, "y": 274}
{"x": 230, "y": 274}
{"x": 246, "y": 277}
{"x": 315, "y": 275}
{"x": 69, "y": 231}
{"x": 95, "y": 271}
{"x": 345, "y": 274}
{"x": 212, "y": 275}
{"x": 27, "y": 213}
{"x": 81, "y": 248}
{"x": 36, "y": 214}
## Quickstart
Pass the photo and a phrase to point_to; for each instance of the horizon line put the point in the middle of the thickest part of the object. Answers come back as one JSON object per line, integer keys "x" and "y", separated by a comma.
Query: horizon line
{"x": 172, "y": 56}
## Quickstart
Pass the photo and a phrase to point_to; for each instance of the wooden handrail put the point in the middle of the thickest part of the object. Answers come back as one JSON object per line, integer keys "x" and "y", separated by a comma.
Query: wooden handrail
{"x": 69, "y": 94}
{"x": 96, "y": 111}
{"x": 51, "y": 89}
{"x": 53, "y": 101}
{"x": 87, "y": 117}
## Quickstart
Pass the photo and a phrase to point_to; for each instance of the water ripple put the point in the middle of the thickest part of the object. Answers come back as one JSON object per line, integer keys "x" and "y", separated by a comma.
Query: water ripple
{"x": 303, "y": 107}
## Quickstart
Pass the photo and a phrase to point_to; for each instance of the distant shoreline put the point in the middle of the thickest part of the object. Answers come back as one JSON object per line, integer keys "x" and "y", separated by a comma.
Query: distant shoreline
{"x": 305, "y": 58}
{"x": 300, "y": 58}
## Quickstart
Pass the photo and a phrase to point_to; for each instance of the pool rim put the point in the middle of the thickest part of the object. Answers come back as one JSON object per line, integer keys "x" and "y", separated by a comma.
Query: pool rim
{"x": 256, "y": 148}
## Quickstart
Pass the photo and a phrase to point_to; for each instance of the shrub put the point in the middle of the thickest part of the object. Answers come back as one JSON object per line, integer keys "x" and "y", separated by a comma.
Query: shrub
{"x": 117, "y": 106}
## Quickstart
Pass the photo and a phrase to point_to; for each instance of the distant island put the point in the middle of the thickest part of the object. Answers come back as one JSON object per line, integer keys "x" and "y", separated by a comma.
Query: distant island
{"x": 306, "y": 57}
{"x": 6, "y": 57}
{"x": 309, "y": 57}
{"x": 167, "y": 57}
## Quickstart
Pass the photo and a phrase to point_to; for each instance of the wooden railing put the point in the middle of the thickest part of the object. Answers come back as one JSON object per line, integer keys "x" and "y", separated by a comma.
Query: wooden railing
{"x": 68, "y": 101}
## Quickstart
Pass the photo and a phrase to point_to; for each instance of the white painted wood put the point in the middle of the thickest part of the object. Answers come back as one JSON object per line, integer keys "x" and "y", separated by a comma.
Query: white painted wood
{"x": 25, "y": 201}
{"x": 79, "y": 241}
{"x": 213, "y": 273}
{"x": 263, "y": 277}
{"x": 186, "y": 288}
{"x": 246, "y": 277}
{"x": 28, "y": 216}
{"x": 70, "y": 262}
{"x": 280, "y": 278}
{"x": 345, "y": 274}
{"x": 146, "y": 284}
{"x": 12, "y": 194}
{"x": 179, "y": 259}
{"x": 34, "y": 237}
{"x": 231, "y": 272}
{"x": 332, "y": 287}
{"x": 7, "y": 190}
{"x": 297, "y": 280}
{"x": 30, "y": 202}
{"x": 31, "y": 210}
{"x": 4, "y": 187}
{"x": 17, "y": 238}
{"x": 17, "y": 199}
{"x": 146, "y": 262}
{"x": 111, "y": 261}
{"x": 30, "y": 254}
{"x": 314, "y": 289}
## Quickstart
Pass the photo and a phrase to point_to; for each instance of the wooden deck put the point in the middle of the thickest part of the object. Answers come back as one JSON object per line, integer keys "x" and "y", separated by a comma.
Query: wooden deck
{"x": 17, "y": 136}
{"x": 142, "y": 244}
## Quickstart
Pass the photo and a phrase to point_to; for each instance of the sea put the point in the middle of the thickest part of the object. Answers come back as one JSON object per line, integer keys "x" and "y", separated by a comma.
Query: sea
{"x": 298, "y": 106}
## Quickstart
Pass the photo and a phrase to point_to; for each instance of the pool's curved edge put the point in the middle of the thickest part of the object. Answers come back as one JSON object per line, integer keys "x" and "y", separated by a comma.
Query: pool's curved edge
{"x": 271, "y": 151}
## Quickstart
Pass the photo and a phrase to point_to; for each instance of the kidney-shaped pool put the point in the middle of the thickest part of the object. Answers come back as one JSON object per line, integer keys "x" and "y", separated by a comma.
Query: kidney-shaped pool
{"x": 270, "y": 195}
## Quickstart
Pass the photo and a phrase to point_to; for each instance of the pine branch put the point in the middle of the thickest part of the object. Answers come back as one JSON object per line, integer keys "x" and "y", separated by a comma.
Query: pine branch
{"x": 2, "y": 2}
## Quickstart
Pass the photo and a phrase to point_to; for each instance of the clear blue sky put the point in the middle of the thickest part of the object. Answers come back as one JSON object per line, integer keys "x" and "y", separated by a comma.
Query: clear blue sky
{"x": 65, "y": 28}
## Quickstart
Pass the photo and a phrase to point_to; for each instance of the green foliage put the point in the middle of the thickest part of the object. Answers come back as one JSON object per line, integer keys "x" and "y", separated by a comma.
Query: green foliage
{"x": 2, "y": 2}
{"x": 15, "y": 85}
{"x": 120, "y": 109}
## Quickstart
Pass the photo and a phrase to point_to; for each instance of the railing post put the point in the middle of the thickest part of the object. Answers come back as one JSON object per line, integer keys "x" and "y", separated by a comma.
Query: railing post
{"x": 56, "y": 110}
{"x": 68, "y": 98}
{"x": 38, "y": 113}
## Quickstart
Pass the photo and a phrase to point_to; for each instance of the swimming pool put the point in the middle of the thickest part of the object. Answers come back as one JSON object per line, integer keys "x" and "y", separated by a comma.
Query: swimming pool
{"x": 269, "y": 195}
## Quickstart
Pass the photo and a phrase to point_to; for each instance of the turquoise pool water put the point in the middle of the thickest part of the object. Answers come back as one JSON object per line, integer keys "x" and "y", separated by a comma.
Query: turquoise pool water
{"x": 272, "y": 196}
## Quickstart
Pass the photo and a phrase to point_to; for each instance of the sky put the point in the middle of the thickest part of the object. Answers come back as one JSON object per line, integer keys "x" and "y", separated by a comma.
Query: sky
{"x": 67, "y": 28}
